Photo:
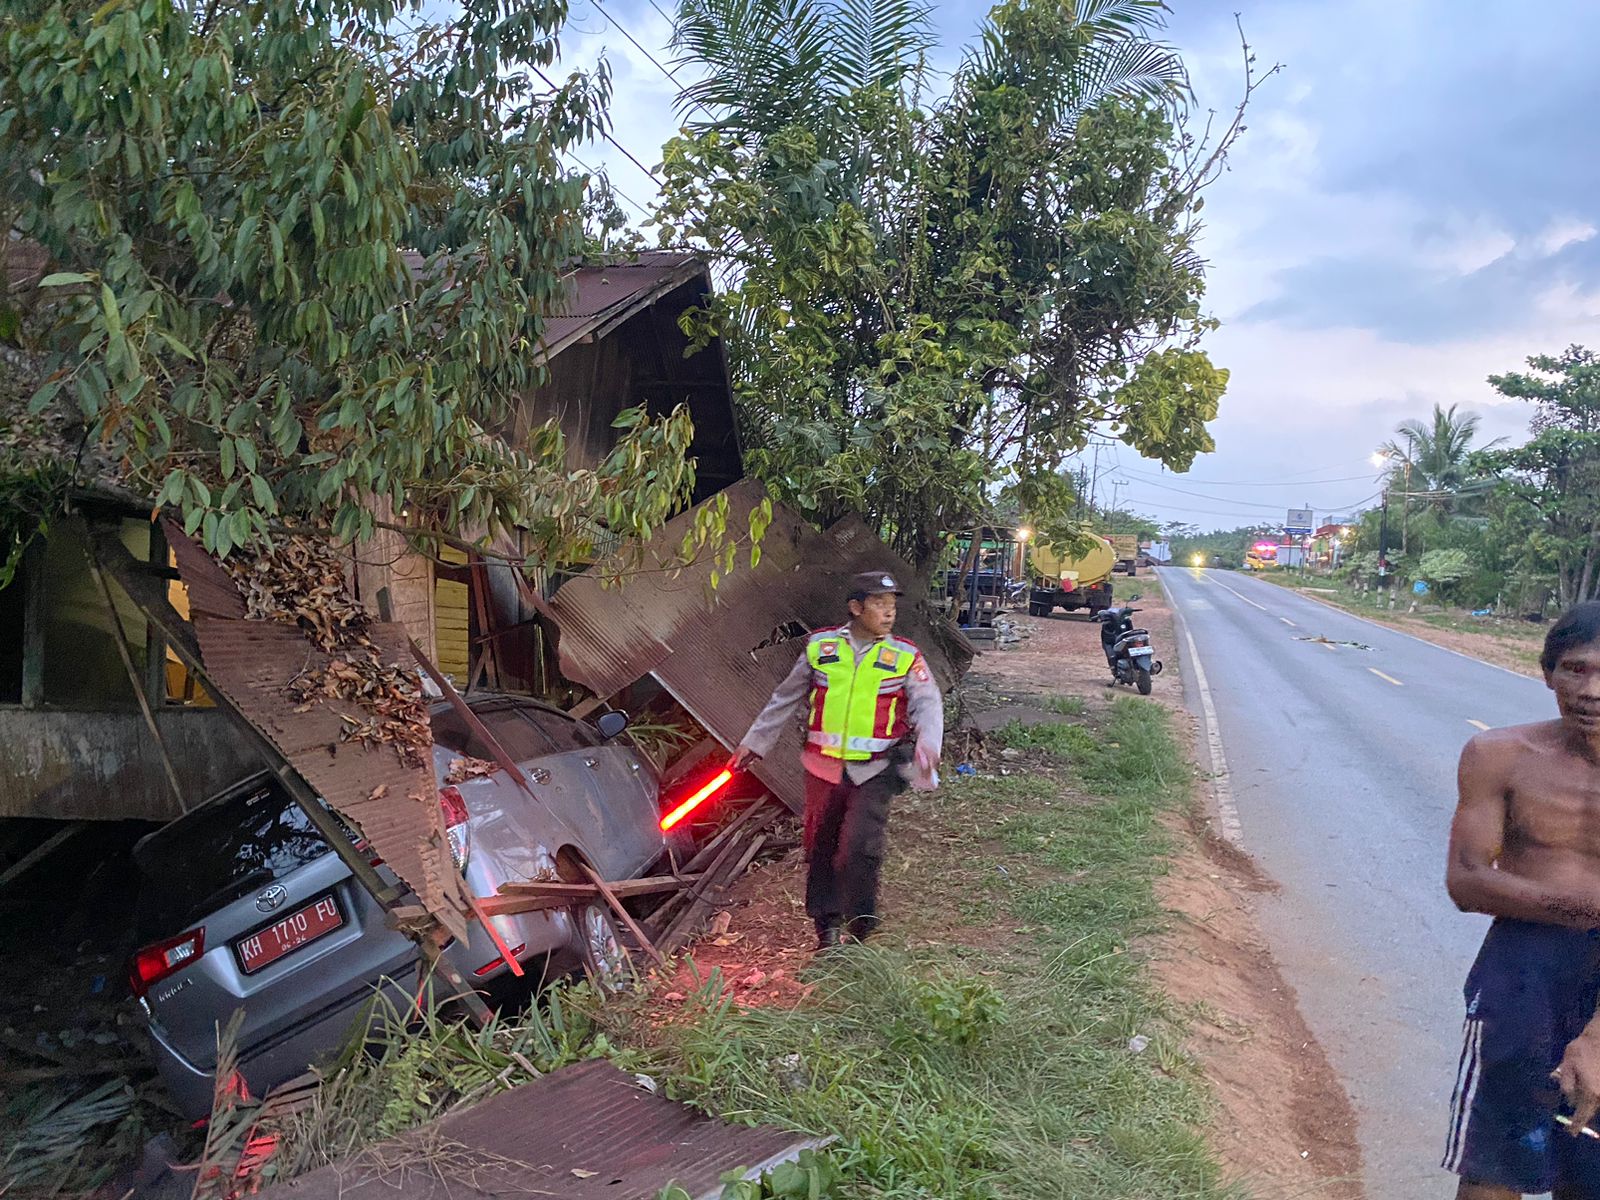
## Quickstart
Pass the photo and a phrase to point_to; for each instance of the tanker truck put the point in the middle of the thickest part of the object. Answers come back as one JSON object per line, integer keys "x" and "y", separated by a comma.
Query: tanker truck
{"x": 1080, "y": 581}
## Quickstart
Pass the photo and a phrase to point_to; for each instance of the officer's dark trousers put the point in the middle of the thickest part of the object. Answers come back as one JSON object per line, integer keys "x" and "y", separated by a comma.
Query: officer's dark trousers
{"x": 845, "y": 836}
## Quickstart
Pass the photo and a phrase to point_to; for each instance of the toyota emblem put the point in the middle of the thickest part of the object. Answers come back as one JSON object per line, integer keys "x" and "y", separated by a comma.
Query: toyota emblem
{"x": 269, "y": 900}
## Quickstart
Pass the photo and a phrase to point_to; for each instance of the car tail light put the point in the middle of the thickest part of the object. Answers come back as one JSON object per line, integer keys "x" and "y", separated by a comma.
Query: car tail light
{"x": 710, "y": 789}
{"x": 454, "y": 807}
{"x": 158, "y": 960}
{"x": 500, "y": 960}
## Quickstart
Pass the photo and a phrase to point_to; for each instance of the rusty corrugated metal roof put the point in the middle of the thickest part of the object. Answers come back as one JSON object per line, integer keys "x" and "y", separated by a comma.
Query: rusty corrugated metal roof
{"x": 395, "y": 806}
{"x": 721, "y": 654}
{"x": 599, "y": 296}
{"x": 587, "y": 1132}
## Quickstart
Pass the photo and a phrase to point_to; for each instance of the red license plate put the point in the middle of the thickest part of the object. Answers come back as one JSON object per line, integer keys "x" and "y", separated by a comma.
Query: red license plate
{"x": 298, "y": 929}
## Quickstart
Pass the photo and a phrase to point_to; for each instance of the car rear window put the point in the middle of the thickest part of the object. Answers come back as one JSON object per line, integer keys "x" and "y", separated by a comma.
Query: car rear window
{"x": 220, "y": 852}
{"x": 525, "y": 732}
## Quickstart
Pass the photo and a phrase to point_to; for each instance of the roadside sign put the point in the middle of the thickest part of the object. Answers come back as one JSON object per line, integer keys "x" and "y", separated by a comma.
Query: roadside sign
{"x": 1300, "y": 521}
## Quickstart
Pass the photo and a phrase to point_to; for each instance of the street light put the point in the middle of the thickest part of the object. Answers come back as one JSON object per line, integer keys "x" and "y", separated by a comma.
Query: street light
{"x": 1024, "y": 534}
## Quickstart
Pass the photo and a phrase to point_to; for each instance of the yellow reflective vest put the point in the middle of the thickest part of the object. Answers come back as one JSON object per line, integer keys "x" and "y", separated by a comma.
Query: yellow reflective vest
{"x": 858, "y": 707}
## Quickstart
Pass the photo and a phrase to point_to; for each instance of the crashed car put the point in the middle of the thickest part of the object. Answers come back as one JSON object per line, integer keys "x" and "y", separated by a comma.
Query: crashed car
{"x": 248, "y": 908}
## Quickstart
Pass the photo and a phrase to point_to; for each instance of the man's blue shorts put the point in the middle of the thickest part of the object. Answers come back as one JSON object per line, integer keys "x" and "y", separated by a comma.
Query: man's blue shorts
{"x": 1531, "y": 991}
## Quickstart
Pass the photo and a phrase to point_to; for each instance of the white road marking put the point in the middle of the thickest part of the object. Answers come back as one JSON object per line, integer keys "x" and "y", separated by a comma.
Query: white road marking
{"x": 1288, "y": 622}
{"x": 1329, "y": 646}
{"x": 1221, "y": 786}
{"x": 1241, "y": 596}
{"x": 1477, "y": 725}
{"x": 1386, "y": 678}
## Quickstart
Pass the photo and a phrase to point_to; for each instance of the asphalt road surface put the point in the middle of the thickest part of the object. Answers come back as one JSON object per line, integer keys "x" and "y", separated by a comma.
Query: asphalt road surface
{"x": 1341, "y": 763}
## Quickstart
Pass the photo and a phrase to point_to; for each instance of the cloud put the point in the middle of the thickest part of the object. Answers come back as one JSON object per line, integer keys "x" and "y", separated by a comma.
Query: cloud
{"x": 1563, "y": 232}
{"x": 1412, "y": 207}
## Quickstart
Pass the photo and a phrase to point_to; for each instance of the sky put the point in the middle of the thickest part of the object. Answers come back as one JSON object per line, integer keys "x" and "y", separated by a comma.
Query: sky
{"x": 1415, "y": 204}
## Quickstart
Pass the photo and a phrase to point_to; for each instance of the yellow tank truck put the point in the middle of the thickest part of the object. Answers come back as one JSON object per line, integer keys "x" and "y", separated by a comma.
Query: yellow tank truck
{"x": 1083, "y": 581}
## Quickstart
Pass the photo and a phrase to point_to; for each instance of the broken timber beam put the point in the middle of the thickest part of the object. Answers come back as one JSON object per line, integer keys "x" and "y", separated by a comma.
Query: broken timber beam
{"x": 623, "y": 914}
{"x": 538, "y": 894}
{"x": 41, "y": 851}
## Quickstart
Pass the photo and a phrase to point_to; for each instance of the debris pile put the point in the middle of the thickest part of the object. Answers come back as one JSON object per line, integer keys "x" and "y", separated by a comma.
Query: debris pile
{"x": 301, "y": 581}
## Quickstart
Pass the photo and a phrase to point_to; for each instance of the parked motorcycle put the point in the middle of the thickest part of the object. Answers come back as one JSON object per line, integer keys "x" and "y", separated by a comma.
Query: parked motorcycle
{"x": 1129, "y": 653}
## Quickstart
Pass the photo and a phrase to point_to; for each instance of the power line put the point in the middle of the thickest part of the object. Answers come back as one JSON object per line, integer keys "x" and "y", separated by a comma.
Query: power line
{"x": 1218, "y": 499}
{"x": 613, "y": 187}
{"x": 1285, "y": 483}
{"x": 660, "y": 66}
{"x": 1286, "y": 479}
{"x": 656, "y": 179}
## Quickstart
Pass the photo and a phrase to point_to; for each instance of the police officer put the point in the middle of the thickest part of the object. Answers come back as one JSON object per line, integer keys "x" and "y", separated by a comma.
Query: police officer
{"x": 875, "y": 715}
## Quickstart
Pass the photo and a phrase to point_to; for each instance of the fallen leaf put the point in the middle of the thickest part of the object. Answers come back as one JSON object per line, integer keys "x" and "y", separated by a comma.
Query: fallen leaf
{"x": 379, "y": 792}
{"x": 582, "y": 1174}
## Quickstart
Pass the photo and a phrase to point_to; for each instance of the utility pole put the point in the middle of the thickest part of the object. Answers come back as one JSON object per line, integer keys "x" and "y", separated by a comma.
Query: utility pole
{"x": 1405, "y": 501}
{"x": 1383, "y": 538}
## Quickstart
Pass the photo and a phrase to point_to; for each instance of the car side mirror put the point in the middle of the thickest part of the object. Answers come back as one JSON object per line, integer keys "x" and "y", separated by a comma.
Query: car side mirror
{"x": 612, "y": 724}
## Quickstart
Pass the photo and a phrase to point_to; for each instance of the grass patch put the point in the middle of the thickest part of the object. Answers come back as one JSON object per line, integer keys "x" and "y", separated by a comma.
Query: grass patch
{"x": 1000, "y": 1068}
{"x": 1067, "y": 706}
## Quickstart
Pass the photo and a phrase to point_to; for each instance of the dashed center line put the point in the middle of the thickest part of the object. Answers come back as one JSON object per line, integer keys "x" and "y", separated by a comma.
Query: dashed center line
{"x": 1242, "y": 596}
{"x": 1328, "y": 645}
{"x": 1477, "y": 725}
{"x": 1288, "y": 622}
{"x": 1386, "y": 678}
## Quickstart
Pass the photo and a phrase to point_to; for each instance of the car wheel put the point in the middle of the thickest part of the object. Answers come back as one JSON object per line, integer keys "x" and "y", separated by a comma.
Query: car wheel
{"x": 1038, "y": 610}
{"x": 600, "y": 947}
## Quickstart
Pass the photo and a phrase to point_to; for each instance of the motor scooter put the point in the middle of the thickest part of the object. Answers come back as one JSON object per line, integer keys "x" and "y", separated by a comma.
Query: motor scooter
{"x": 1128, "y": 651}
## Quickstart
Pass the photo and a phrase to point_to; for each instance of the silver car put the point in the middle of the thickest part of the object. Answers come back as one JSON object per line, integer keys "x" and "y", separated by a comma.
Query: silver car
{"x": 250, "y": 909}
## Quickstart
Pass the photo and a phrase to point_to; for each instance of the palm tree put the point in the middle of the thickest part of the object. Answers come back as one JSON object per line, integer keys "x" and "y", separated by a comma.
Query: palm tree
{"x": 771, "y": 65}
{"x": 1434, "y": 459}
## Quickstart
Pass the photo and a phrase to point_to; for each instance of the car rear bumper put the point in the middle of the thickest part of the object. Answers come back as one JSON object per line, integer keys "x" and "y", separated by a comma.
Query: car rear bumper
{"x": 287, "y": 1053}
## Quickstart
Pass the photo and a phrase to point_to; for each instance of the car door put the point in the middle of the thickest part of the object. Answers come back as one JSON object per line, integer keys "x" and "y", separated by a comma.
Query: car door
{"x": 620, "y": 792}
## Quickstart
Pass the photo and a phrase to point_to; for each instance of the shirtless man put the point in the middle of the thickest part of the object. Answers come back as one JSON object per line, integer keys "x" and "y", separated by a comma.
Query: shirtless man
{"x": 1525, "y": 849}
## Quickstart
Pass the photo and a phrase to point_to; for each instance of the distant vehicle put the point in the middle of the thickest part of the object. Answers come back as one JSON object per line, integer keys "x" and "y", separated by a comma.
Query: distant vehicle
{"x": 249, "y": 908}
{"x": 1261, "y": 556}
{"x": 1071, "y": 583}
{"x": 1126, "y": 548}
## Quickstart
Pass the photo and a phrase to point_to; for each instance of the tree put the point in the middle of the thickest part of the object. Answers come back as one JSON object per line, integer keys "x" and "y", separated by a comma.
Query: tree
{"x": 1553, "y": 480}
{"x": 1436, "y": 457}
{"x": 932, "y": 295}
{"x": 299, "y": 256}
{"x": 1443, "y": 569}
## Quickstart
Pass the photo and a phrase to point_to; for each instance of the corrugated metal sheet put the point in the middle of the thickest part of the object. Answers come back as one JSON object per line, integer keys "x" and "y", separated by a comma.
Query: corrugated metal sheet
{"x": 598, "y": 296}
{"x": 395, "y": 806}
{"x": 588, "y": 1132}
{"x": 722, "y": 653}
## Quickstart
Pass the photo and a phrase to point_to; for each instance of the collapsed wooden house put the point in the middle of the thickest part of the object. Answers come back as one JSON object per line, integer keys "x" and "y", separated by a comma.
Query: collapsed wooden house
{"x": 111, "y": 707}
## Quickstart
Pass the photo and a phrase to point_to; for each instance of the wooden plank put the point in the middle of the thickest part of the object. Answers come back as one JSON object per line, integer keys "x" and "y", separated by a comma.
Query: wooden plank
{"x": 546, "y": 897}
{"x": 479, "y": 729}
{"x": 676, "y": 933}
{"x": 494, "y": 935}
{"x": 140, "y": 686}
{"x": 33, "y": 618}
{"x": 41, "y": 851}
{"x": 623, "y": 914}
{"x": 622, "y": 887}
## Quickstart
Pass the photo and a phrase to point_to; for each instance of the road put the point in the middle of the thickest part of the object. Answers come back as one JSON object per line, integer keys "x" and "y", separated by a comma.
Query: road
{"x": 1341, "y": 763}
